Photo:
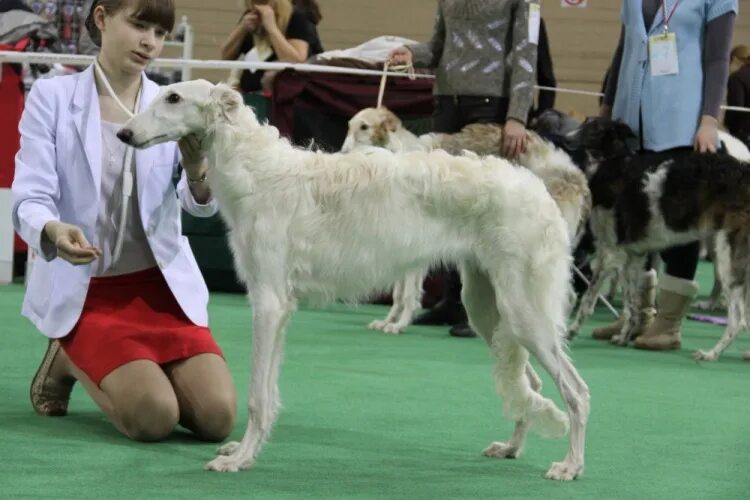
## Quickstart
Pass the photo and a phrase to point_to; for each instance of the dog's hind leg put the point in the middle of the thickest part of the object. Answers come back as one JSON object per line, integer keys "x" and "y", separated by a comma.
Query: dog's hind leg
{"x": 733, "y": 258}
{"x": 478, "y": 297}
{"x": 632, "y": 273}
{"x": 532, "y": 318}
{"x": 396, "y": 308}
{"x": 271, "y": 312}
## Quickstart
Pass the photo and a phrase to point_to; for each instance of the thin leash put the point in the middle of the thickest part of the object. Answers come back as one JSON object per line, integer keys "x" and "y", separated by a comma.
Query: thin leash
{"x": 407, "y": 68}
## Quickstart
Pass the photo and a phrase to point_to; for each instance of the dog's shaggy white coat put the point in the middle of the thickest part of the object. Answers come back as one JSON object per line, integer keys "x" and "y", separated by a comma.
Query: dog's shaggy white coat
{"x": 340, "y": 225}
{"x": 562, "y": 178}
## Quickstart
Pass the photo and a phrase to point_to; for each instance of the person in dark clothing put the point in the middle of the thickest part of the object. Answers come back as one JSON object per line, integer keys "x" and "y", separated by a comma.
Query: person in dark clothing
{"x": 670, "y": 97}
{"x": 311, "y": 10}
{"x": 484, "y": 54}
{"x": 738, "y": 94}
{"x": 269, "y": 30}
{"x": 545, "y": 74}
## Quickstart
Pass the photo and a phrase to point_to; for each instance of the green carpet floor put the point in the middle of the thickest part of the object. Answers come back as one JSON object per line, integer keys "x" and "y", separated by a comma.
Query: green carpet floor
{"x": 368, "y": 415}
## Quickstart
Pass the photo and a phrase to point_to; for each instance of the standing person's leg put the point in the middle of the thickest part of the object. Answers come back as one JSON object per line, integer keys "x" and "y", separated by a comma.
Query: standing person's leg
{"x": 474, "y": 109}
{"x": 677, "y": 289}
{"x": 447, "y": 119}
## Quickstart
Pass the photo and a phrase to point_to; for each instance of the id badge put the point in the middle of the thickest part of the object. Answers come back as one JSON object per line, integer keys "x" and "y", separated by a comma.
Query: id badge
{"x": 662, "y": 51}
{"x": 535, "y": 16}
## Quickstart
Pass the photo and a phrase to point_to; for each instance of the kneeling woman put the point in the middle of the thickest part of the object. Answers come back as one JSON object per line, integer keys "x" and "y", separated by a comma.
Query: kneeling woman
{"x": 116, "y": 287}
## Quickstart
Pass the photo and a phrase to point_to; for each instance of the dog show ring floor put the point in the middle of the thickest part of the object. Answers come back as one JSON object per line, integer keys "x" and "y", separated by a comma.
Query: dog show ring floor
{"x": 370, "y": 415}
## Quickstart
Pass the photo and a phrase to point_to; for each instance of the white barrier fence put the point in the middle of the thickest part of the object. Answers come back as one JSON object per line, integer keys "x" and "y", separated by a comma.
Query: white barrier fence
{"x": 186, "y": 64}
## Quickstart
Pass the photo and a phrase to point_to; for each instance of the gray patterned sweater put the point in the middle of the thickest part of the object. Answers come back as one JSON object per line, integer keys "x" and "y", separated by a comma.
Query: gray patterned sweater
{"x": 482, "y": 47}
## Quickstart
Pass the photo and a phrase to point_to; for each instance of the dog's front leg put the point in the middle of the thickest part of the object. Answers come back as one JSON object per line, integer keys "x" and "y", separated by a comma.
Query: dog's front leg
{"x": 602, "y": 269}
{"x": 270, "y": 315}
{"x": 632, "y": 272}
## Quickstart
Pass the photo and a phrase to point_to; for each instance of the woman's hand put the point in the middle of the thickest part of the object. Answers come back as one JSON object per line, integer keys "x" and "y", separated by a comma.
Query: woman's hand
{"x": 514, "y": 138}
{"x": 250, "y": 21}
{"x": 400, "y": 55}
{"x": 192, "y": 156}
{"x": 707, "y": 135}
{"x": 267, "y": 16}
{"x": 71, "y": 243}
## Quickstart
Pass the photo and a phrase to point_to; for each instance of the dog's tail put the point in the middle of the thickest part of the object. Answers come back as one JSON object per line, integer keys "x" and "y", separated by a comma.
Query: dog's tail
{"x": 518, "y": 386}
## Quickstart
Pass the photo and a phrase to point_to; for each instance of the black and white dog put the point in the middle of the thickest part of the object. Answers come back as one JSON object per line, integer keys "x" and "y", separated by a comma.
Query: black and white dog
{"x": 644, "y": 204}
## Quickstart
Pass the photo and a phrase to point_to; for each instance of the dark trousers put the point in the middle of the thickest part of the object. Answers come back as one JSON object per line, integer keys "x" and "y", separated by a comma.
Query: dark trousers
{"x": 452, "y": 113}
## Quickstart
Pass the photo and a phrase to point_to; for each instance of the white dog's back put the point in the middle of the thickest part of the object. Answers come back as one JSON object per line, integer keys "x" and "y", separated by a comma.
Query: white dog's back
{"x": 422, "y": 207}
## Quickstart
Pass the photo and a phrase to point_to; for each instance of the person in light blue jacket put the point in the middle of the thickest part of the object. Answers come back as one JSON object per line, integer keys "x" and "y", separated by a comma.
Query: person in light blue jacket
{"x": 667, "y": 81}
{"x": 115, "y": 286}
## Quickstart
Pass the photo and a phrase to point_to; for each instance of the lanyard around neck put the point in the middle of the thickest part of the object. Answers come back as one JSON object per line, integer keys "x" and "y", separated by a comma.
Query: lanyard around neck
{"x": 671, "y": 12}
{"x": 127, "y": 167}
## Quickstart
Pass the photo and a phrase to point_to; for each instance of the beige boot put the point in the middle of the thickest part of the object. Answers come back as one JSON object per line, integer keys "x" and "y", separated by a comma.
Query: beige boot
{"x": 675, "y": 297}
{"x": 648, "y": 311}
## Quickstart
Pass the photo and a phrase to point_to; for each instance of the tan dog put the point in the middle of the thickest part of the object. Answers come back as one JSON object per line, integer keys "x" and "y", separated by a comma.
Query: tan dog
{"x": 379, "y": 127}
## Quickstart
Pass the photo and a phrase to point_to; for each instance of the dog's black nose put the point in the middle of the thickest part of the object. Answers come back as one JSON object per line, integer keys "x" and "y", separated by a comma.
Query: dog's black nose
{"x": 125, "y": 135}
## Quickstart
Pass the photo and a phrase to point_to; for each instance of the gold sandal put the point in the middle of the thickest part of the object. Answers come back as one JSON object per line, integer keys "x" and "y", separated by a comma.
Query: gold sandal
{"x": 49, "y": 397}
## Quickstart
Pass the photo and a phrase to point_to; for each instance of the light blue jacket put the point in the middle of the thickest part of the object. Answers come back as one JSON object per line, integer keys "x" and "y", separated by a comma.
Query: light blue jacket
{"x": 670, "y": 105}
{"x": 58, "y": 176}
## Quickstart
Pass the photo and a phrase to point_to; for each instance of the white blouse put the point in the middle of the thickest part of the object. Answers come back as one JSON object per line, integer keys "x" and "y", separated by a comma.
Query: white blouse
{"x": 136, "y": 253}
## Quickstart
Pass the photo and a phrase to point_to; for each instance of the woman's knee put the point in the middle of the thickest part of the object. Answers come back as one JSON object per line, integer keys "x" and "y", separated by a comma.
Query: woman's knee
{"x": 214, "y": 420}
{"x": 151, "y": 416}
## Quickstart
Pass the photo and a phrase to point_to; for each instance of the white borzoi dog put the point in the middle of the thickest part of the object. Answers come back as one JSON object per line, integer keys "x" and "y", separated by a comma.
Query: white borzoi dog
{"x": 562, "y": 178}
{"x": 648, "y": 204}
{"x": 305, "y": 223}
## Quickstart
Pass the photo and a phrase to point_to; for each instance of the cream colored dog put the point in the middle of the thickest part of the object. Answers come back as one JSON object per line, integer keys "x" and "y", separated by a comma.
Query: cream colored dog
{"x": 306, "y": 224}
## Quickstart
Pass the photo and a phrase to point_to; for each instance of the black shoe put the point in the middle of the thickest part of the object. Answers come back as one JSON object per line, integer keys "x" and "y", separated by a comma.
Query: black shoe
{"x": 445, "y": 312}
{"x": 462, "y": 330}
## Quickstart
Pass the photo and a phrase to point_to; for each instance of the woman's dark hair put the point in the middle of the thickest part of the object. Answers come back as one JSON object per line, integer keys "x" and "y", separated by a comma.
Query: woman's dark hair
{"x": 310, "y": 9}
{"x": 160, "y": 12}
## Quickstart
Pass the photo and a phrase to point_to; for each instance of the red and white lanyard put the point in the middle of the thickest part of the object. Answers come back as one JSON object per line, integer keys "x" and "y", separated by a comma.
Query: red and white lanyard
{"x": 671, "y": 13}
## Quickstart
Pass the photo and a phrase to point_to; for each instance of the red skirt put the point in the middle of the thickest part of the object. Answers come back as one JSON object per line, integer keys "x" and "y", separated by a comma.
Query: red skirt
{"x": 129, "y": 317}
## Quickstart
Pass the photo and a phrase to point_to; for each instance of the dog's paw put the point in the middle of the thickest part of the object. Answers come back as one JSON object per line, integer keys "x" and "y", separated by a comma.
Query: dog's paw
{"x": 378, "y": 324}
{"x": 705, "y": 356}
{"x": 228, "y": 449}
{"x": 500, "y": 450}
{"x": 564, "y": 471}
{"x": 704, "y": 305}
{"x": 393, "y": 328}
{"x": 572, "y": 333}
{"x": 228, "y": 463}
{"x": 620, "y": 340}
{"x": 710, "y": 305}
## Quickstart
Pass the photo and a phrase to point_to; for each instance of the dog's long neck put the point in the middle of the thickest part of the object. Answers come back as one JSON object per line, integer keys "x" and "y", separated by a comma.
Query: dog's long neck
{"x": 241, "y": 150}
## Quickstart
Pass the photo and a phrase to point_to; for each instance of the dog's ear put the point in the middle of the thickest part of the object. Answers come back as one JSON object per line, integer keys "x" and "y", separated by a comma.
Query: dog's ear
{"x": 227, "y": 101}
{"x": 380, "y": 134}
{"x": 390, "y": 120}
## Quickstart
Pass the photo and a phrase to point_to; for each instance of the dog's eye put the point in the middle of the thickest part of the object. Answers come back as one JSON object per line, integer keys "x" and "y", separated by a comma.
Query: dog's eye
{"x": 363, "y": 126}
{"x": 173, "y": 98}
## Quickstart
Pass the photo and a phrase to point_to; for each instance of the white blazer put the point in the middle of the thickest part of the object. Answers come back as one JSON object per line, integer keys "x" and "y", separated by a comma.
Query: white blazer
{"x": 58, "y": 177}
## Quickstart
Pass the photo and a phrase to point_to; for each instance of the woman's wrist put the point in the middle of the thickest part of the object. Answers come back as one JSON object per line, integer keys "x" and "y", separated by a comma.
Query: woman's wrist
{"x": 709, "y": 120}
